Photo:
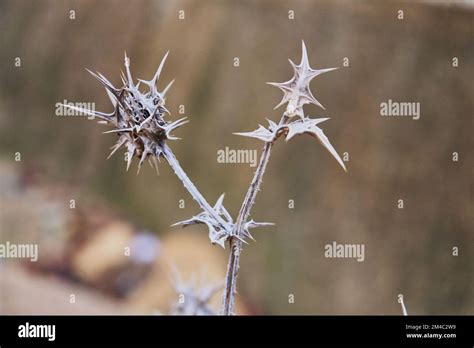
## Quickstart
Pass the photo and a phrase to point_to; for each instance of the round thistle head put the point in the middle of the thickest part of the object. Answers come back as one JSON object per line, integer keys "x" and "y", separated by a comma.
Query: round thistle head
{"x": 138, "y": 117}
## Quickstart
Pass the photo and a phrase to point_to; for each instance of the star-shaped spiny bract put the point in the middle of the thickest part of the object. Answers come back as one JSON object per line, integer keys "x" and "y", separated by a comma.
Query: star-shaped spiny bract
{"x": 296, "y": 91}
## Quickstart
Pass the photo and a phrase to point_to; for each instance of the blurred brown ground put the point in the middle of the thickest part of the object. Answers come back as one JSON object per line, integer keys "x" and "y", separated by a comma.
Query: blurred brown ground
{"x": 82, "y": 254}
{"x": 407, "y": 251}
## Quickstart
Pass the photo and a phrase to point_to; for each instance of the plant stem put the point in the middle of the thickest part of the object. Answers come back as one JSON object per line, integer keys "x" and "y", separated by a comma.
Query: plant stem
{"x": 228, "y": 302}
{"x": 188, "y": 184}
{"x": 236, "y": 243}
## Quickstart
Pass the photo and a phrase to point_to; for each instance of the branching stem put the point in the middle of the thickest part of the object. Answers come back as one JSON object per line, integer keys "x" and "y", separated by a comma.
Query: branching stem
{"x": 235, "y": 243}
{"x": 228, "y": 303}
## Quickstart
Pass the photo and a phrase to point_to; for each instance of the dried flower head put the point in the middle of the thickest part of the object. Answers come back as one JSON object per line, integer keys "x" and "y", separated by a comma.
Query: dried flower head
{"x": 138, "y": 117}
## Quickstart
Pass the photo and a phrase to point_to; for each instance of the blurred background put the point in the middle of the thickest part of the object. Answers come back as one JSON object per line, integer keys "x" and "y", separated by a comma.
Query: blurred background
{"x": 408, "y": 251}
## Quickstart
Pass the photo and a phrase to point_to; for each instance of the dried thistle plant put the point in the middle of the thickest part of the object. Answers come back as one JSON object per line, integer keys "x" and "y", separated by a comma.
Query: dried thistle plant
{"x": 139, "y": 121}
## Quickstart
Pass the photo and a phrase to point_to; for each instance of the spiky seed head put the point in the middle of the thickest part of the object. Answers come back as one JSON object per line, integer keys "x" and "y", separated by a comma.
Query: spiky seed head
{"x": 138, "y": 118}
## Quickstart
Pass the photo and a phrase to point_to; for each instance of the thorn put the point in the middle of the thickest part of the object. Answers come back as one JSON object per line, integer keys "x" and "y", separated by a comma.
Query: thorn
{"x": 130, "y": 153}
{"x": 304, "y": 54}
{"x": 142, "y": 159}
{"x": 122, "y": 77}
{"x": 112, "y": 97}
{"x": 167, "y": 88}
{"x": 158, "y": 71}
{"x": 131, "y": 129}
{"x": 155, "y": 162}
{"x": 165, "y": 109}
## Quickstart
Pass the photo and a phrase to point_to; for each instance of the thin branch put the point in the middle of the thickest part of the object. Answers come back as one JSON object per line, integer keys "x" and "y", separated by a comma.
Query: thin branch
{"x": 188, "y": 184}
